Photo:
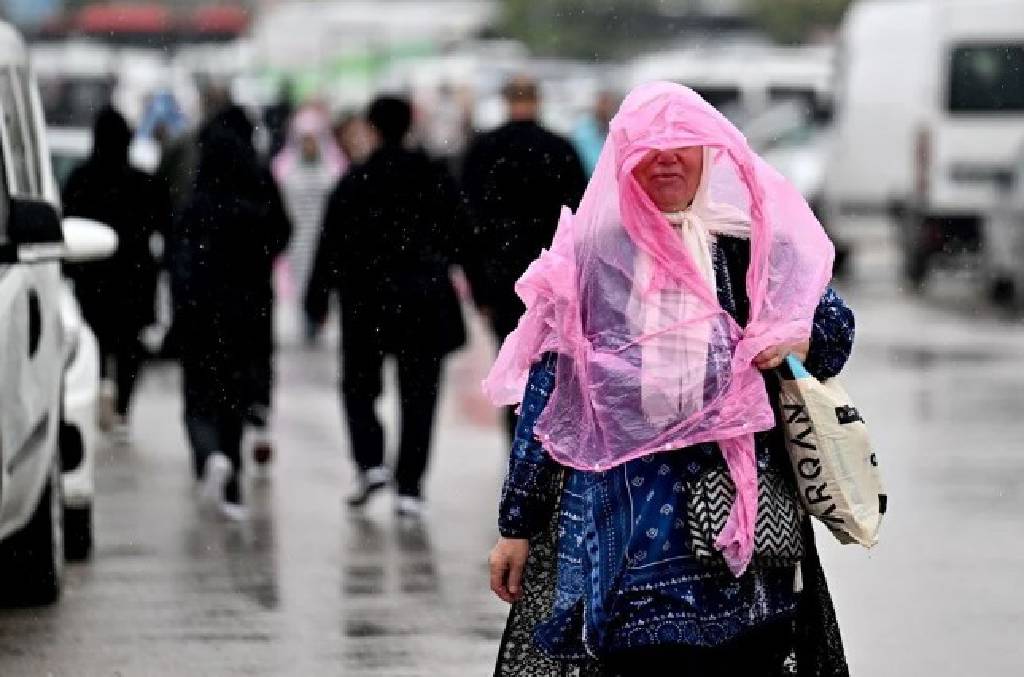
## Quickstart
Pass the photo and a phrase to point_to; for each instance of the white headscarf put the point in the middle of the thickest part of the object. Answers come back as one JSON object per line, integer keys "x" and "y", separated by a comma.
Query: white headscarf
{"x": 663, "y": 391}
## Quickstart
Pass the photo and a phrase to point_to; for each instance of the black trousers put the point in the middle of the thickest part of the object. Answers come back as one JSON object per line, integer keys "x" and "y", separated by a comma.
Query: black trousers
{"x": 758, "y": 653}
{"x": 212, "y": 425}
{"x": 120, "y": 349}
{"x": 261, "y": 383}
{"x": 260, "y": 373}
{"x": 361, "y": 384}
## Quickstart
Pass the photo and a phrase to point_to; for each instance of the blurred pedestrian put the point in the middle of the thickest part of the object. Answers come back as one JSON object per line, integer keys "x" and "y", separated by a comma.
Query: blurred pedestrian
{"x": 176, "y": 174}
{"x": 354, "y": 137}
{"x": 649, "y": 467}
{"x": 389, "y": 238}
{"x": 222, "y": 250}
{"x": 277, "y": 230}
{"x": 516, "y": 179}
{"x": 163, "y": 119}
{"x": 163, "y": 128}
{"x": 590, "y": 133}
{"x": 117, "y": 295}
{"x": 306, "y": 171}
{"x": 447, "y": 125}
{"x": 277, "y": 116}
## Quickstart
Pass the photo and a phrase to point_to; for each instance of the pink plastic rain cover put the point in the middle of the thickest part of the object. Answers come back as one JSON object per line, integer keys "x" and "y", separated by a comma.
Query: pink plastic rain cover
{"x": 648, "y": 361}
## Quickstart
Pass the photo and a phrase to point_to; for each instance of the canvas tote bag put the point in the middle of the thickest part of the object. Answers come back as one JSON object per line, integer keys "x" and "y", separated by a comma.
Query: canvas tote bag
{"x": 836, "y": 469}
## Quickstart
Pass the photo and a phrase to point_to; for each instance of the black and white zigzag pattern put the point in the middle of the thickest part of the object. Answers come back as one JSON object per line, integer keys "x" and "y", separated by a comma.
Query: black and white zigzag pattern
{"x": 777, "y": 539}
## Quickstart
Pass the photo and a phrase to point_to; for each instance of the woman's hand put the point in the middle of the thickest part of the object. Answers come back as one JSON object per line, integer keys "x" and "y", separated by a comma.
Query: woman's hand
{"x": 508, "y": 560}
{"x": 770, "y": 358}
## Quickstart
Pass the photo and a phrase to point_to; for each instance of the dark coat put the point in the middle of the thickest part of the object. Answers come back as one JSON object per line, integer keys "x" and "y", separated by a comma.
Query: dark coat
{"x": 516, "y": 178}
{"x": 222, "y": 250}
{"x": 392, "y": 230}
{"x": 117, "y": 294}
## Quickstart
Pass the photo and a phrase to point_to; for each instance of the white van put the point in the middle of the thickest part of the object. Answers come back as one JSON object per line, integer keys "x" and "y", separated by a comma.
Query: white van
{"x": 930, "y": 110}
{"x": 34, "y": 343}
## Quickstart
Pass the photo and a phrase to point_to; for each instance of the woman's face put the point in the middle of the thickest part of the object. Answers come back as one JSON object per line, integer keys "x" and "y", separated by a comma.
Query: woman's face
{"x": 671, "y": 177}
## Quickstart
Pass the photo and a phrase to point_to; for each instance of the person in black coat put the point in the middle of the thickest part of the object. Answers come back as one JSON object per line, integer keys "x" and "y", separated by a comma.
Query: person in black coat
{"x": 276, "y": 230}
{"x": 516, "y": 179}
{"x": 222, "y": 249}
{"x": 391, "y": 231}
{"x": 117, "y": 295}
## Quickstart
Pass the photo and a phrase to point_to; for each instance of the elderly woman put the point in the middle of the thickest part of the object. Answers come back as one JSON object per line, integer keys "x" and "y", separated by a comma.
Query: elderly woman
{"x": 649, "y": 516}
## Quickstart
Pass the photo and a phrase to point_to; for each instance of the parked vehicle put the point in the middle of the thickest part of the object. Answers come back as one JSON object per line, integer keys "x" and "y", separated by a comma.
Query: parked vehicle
{"x": 743, "y": 80}
{"x": 79, "y": 431}
{"x": 794, "y": 138}
{"x": 34, "y": 341}
{"x": 930, "y": 109}
{"x": 1003, "y": 230}
{"x": 69, "y": 147}
{"x": 80, "y": 436}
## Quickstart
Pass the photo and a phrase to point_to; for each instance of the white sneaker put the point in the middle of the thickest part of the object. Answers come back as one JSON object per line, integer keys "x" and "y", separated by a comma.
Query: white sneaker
{"x": 216, "y": 473}
{"x": 410, "y": 506}
{"x": 120, "y": 433}
{"x": 233, "y": 512}
{"x": 367, "y": 484}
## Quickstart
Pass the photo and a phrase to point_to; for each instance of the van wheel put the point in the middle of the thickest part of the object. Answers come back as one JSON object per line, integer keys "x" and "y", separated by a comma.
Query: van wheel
{"x": 32, "y": 559}
{"x": 77, "y": 533}
{"x": 915, "y": 267}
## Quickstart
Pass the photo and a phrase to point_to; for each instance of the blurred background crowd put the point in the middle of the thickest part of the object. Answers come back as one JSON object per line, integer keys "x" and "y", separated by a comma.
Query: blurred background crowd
{"x": 160, "y": 63}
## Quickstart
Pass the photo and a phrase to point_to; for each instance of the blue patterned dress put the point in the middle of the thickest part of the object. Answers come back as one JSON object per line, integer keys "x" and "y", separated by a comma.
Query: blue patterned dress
{"x": 626, "y": 575}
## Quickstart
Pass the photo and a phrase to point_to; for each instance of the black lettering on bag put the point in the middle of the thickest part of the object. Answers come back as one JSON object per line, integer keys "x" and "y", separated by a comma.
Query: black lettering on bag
{"x": 796, "y": 413}
{"x": 874, "y": 460}
{"x": 847, "y": 415}
{"x": 809, "y": 468}
{"x": 816, "y": 494}
{"x": 827, "y": 516}
{"x": 799, "y": 439}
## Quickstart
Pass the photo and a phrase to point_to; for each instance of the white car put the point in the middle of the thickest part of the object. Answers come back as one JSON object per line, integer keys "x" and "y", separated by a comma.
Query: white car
{"x": 34, "y": 339}
{"x": 79, "y": 432}
{"x": 69, "y": 147}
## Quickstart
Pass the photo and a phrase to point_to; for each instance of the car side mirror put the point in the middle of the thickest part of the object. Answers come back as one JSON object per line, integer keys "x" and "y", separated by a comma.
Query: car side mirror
{"x": 33, "y": 232}
{"x": 87, "y": 240}
{"x": 36, "y": 234}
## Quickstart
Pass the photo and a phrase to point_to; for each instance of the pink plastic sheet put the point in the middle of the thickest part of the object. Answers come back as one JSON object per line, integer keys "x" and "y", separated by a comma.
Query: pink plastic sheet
{"x": 649, "y": 362}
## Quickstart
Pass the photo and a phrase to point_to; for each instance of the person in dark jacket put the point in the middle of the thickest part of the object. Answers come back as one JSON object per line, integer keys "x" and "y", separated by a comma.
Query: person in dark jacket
{"x": 276, "y": 231}
{"x": 222, "y": 249}
{"x": 277, "y": 117}
{"x": 117, "y": 295}
{"x": 516, "y": 178}
{"x": 390, "y": 234}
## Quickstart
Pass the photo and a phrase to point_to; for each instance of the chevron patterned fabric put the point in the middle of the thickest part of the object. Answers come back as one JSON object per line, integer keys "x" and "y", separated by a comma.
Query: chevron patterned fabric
{"x": 777, "y": 541}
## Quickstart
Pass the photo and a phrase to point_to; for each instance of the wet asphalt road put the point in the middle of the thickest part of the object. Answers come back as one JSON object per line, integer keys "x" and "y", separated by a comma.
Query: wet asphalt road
{"x": 307, "y": 588}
